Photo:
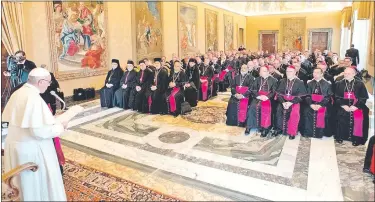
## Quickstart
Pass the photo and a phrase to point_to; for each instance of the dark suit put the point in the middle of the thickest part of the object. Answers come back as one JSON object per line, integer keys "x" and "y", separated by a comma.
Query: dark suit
{"x": 354, "y": 54}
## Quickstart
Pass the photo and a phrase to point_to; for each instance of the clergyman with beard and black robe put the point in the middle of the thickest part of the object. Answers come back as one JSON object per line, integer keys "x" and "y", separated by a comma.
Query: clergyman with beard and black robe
{"x": 123, "y": 96}
{"x": 112, "y": 83}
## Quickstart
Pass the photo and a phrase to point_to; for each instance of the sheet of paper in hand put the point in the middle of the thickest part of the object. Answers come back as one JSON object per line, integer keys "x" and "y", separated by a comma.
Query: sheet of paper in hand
{"x": 68, "y": 115}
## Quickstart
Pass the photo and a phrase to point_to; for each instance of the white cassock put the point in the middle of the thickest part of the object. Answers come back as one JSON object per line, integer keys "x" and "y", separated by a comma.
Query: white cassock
{"x": 31, "y": 129}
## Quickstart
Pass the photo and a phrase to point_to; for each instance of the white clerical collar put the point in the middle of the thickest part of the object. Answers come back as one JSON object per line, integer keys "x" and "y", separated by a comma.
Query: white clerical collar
{"x": 291, "y": 79}
{"x": 32, "y": 87}
{"x": 318, "y": 80}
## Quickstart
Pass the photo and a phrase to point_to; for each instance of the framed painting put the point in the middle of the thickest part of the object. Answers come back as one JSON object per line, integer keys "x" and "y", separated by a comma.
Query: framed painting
{"x": 293, "y": 32}
{"x": 187, "y": 29}
{"x": 211, "y": 30}
{"x": 228, "y": 33}
{"x": 147, "y": 29}
{"x": 78, "y": 41}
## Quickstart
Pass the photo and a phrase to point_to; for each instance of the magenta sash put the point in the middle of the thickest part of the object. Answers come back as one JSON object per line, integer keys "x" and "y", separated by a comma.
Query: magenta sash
{"x": 149, "y": 103}
{"x": 172, "y": 100}
{"x": 321, "y": 113}
{"x": 293, "y": 118}
{"x": 265, "y": 108}
{"x": 357, "y": 115}
{"x": 243, "y": 103}
{"x": 204, "y": 87}
{"x": 223, "y": 73}
{"x": 56, "y": 142}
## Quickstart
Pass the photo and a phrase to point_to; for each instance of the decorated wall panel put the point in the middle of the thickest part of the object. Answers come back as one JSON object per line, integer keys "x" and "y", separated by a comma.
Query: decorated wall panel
{"x": 293, "y": 32}
{"x": 78, "y": 42}
{"x": 228, "y": 33}
{"x": 211, "y": 28}
{"x": 148, "y": 29}
{"x": 187, "y": 29}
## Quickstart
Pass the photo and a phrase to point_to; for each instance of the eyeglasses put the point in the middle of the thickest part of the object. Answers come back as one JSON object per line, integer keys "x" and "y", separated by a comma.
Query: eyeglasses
{"x": 46, "y": 80}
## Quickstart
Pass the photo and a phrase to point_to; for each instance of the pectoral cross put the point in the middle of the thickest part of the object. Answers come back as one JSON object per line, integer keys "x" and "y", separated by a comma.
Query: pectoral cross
{"x": 349, "y": 94}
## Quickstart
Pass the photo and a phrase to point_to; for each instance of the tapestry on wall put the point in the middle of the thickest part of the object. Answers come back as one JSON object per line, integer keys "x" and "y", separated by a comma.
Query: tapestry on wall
{"x": 228, "y": 33}
{"x": 293, "y": 33}
{"x": 187, "y": 23}
{"x": 211, "y": 30}
{"x": 149, "y": 29}
{"x": 77, "y": 32}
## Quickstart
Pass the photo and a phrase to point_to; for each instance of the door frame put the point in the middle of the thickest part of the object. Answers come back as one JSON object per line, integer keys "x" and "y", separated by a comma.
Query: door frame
{"x": 329, "y": 32}
{"x": 274, "y": 32}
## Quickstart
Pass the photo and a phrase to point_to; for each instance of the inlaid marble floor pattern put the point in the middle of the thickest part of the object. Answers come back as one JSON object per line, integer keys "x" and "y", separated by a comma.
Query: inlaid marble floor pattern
{"x": 198, "y": 157}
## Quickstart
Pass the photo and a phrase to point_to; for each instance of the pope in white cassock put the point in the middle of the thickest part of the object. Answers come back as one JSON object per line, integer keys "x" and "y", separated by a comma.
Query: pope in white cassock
{"x": 31, "y": 129}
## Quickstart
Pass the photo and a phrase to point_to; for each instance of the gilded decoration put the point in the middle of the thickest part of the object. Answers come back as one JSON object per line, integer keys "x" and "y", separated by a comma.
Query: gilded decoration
{"x": 148, "y": 29}
{"x": 293, "y": 33}
{"x": 187, "y": 29}
{"x": 211, "y": 30}
{"x": 78, "y": 42}
{"x": 228, "y": 33}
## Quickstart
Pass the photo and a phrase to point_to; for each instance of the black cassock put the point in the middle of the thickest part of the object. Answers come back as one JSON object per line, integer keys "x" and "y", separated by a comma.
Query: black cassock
{"x": 259, "y": 114}
{"x": 157, "y": 99}
{"x": 316, "y": 122}
{"x": 175, "y": 95}
{"x": 123, "y": 96}
{"x": 206, "y": 74}
{"x": 254, "y": 73}
{"x": 215, "y": 79}
{"x": 350, "y": 125}
{"x": 292, "y": 90}
{"x": 234, "y": 105}
{"x": 191, "y": 93}
{"x": 224, "y": 77}
{"x": 106, "y": 94}
{"x": 144, "y": 80}
{"x": 302, "y": 75}
{"x": 276, "y": 76}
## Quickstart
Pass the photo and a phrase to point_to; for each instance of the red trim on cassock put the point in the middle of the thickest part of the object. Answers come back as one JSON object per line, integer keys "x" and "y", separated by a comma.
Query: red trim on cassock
{"x": 293, "y": 118}
{"x": 204, "y": 87}
{"x": 172, "y": 100}
{"x": 265, "y": 111}
{"x": 321, "y": 113}
{"x": 243, "y": 103}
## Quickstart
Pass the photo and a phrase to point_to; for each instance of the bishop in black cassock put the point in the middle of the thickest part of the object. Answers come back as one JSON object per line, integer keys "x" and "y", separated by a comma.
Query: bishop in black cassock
{"x": 289, "y": 95}
{"x": 158, "y": 99}
{"x": 112, "y": 83}
{"x": 240, "y": 99}
{"x": 143, "y": 88}
{"x": 318, "y": 98}
{"x": 175, "y": 93}
{"x": 352, "y": 112}
{"x": 124, "y": 97}
{"x": 193, "y": 83}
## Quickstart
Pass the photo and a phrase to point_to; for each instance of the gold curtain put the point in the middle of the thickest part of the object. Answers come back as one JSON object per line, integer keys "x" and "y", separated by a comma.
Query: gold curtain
{"x": 364, "y": 10}
{"x": 346, "y": 16}
{"x": 12, "y": 29}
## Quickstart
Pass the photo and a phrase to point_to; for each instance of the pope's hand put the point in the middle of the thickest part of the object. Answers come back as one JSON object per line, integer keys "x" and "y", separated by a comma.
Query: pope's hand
{"x": 65, "y": 124}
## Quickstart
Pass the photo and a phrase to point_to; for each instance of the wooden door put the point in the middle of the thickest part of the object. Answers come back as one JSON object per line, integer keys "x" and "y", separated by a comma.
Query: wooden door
{"x": 269, "y": 42}
{"x": 319, "y": 41}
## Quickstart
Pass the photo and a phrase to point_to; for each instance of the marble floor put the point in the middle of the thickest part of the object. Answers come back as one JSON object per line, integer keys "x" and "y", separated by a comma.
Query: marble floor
{"x": 197, "y": 157}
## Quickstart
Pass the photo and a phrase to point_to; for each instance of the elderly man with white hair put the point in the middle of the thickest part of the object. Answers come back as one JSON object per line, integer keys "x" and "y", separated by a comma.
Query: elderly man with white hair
{"x": 31, "y": 129}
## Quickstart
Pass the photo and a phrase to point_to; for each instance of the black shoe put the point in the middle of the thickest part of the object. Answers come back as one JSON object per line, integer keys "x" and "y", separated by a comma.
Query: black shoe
{"x": 276, "y": 133}
{"x": 264, "y": 133}
{"x": 292, "y": 137}
{"x": 355, "y": 144}
{"x": 366, "y": 170}
{"x": 339, "y": 141}
{"x": 247, "y": 131}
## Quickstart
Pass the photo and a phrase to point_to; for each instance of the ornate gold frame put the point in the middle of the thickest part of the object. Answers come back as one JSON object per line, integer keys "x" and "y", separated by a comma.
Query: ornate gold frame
{"x": 75, "y": 74}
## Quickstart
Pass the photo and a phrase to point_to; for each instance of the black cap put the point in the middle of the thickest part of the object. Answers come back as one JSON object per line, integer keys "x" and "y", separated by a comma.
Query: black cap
{"x": 115, "y": 61}
{"x": 130, "y": 62}
{"x": 141, "y": 61}
{"x": 157, "y": 59}
{"x": 192, "y": 60}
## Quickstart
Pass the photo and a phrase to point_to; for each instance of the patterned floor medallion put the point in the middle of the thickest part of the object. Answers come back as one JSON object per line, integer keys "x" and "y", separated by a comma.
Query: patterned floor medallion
{"x": 174, "y": 137}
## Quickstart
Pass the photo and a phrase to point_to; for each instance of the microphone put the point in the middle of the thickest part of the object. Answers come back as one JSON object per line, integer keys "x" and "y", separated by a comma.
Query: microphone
{"x": 62, "y": 101}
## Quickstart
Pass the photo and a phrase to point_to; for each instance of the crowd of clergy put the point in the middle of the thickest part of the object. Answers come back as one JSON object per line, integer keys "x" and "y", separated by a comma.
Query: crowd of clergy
{"x": 316, "y": 93}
